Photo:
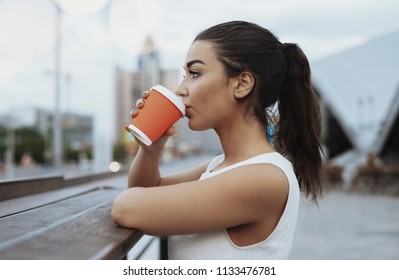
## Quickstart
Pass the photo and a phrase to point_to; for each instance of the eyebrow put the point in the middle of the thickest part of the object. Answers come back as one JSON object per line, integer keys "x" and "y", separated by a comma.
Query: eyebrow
{"x": 190, "y": 63}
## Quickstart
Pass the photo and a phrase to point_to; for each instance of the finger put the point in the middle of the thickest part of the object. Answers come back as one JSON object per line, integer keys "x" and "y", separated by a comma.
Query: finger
{"x": 145, "y": 94}
{"x": 134, "y": 113}
{"x": 140, "y": 103}
{"x": 126, "y": 126}
{"x": 170, "y": 131}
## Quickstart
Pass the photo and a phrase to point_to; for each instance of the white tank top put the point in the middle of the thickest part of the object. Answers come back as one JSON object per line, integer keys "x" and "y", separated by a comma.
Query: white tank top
{"x": 218, "y": 245}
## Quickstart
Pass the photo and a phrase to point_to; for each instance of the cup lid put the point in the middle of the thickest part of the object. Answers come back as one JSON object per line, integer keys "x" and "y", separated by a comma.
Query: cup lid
{"x": 176, "y": 100}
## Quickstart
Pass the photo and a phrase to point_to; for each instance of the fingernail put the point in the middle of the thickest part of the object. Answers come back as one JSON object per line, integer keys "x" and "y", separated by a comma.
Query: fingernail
{"x": 139, "y": 103}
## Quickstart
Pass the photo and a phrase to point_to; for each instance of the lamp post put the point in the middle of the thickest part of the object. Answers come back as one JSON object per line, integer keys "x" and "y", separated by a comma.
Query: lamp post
{"x": 57, "y": 137}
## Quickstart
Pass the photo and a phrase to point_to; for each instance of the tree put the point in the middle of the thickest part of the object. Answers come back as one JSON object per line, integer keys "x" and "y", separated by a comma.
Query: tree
{"x": 3, "y": 142}
{"x": 119, "y": 153}
{"x": 28, "y": 140}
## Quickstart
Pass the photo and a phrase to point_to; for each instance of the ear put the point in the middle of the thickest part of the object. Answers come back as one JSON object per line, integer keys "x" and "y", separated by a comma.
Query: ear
{"x": 244, "y": 84}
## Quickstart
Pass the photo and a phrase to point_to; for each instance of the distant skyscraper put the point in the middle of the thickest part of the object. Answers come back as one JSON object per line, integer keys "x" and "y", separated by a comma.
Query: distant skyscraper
{"x": 149, "y": 64}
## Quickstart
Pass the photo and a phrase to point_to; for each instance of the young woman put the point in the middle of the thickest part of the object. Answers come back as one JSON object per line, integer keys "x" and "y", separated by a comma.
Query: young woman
{"x": 242, "y": 204}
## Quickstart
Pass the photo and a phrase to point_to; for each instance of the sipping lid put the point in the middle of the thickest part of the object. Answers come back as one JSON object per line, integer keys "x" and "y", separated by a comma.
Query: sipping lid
{"x": 177, "y": 101}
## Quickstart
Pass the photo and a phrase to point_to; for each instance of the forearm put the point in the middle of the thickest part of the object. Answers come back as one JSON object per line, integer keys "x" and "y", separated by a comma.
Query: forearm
{"x": 144, "y": 170}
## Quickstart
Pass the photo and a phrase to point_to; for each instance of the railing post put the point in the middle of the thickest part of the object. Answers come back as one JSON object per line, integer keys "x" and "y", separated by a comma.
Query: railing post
{"x": 164, "y": 249}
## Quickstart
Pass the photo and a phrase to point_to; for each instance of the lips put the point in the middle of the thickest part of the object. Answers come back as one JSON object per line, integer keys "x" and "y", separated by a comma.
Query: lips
{"x": 188, "y": 109}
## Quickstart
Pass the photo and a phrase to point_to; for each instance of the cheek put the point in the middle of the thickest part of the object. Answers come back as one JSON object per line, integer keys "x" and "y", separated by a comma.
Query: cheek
{"x": 205, "y": 100}
{"x": 213, "y": 92}
{"x": 209, "y": 91}
{"x": 202, "y": 96}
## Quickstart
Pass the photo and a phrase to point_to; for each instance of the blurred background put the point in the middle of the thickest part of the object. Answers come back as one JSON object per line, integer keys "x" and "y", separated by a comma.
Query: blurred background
{"x": 71, "y": 70}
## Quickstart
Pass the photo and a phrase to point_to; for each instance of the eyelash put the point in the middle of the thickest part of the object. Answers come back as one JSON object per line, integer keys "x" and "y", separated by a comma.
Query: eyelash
{"x": 193, "y": 74}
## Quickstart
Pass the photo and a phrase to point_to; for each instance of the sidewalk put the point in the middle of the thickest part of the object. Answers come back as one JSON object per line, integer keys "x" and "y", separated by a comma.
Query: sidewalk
{"x": 348, "y": 226}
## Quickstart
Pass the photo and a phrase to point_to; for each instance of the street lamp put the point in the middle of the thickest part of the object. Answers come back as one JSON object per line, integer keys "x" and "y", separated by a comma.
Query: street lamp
{"x": 57, "y": 137}
{"x": 76, "y": 7}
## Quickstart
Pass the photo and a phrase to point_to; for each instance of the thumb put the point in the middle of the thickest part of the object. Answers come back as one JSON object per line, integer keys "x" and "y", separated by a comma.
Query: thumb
{"x": 171, "y": 130}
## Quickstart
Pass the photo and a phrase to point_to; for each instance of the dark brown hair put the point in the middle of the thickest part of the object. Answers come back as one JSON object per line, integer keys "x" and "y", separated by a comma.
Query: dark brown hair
{"x": 282, "y": 80}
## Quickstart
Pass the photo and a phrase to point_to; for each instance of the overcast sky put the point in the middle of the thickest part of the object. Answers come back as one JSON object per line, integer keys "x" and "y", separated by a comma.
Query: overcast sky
{"x": 95, "y": 43}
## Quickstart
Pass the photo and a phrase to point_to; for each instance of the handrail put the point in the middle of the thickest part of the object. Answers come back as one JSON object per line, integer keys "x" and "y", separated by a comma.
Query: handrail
{"x": 18, "y": 193}
{"x": 90, "y": 177}
{"x": 11, "y": 189}
{"x": 16, "y": 188}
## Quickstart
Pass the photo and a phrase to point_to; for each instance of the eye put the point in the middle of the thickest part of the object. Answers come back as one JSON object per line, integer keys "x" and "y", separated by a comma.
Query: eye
{"x": 193, "y": 74}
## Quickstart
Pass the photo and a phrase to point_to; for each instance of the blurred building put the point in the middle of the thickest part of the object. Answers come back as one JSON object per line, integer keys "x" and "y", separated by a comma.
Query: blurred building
{"x": 77, "y": 129}
{"x": 360, "y": 92}
{"x": 129, "y": 87}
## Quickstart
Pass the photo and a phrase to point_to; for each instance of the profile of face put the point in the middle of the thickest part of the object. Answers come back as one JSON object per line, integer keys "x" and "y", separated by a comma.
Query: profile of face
{"x": 206, "y": 90}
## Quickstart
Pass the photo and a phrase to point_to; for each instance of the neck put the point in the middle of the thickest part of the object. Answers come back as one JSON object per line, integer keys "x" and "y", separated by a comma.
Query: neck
{"x": 242, "y": 139}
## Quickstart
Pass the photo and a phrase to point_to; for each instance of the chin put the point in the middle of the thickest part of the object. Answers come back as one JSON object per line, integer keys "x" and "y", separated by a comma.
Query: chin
{"x": 196, "y": 127}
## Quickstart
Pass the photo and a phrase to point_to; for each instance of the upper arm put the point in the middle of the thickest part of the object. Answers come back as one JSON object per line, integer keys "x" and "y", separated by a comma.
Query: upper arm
{"x": 240, "y": 196}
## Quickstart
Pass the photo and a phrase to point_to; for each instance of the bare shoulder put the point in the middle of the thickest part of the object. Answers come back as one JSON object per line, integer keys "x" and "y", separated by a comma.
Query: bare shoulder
{"x": 260, "y": 182}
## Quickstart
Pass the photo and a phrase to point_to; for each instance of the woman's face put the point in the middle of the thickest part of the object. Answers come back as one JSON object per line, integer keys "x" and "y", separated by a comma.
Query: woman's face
{"x": 206, "y": 90}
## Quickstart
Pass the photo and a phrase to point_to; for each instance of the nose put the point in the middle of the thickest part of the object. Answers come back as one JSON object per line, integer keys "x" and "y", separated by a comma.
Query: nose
{"x": 181, "y": 90}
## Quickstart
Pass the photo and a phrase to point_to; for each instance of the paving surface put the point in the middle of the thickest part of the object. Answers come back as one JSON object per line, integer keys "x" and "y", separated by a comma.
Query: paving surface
{"x": 348, "y": 226}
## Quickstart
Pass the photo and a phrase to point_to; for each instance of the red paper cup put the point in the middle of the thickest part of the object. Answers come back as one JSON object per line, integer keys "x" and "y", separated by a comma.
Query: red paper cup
{"x": 161, "y": 110}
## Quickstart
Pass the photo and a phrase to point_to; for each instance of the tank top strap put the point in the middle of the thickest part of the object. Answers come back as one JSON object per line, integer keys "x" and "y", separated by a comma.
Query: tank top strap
{"x": 271, "y": 158}
{"x": 214, "y": 162}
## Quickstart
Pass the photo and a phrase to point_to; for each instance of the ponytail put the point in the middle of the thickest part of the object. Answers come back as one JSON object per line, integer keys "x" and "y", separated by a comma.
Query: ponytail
{"x": 299, "y": 125}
